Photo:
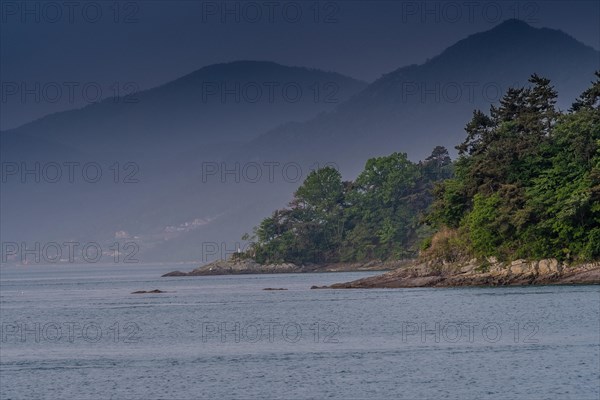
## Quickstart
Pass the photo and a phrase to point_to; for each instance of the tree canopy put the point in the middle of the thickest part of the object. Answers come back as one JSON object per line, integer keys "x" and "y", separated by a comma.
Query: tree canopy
{"x": 526, "y": 185}
{"x": 527, "y": 179}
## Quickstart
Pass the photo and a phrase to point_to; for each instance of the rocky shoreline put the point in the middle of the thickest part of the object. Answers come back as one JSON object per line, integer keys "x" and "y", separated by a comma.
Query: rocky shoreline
{"x": 249, "y": 266}
{"x": 478, "y": 273}
{"x": 410, "y": 273}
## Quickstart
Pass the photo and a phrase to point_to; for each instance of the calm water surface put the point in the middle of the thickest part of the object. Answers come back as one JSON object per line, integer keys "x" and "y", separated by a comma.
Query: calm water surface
{"x": 77, "y": 332}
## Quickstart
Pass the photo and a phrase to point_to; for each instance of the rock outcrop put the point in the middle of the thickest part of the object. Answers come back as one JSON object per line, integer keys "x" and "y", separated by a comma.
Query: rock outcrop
{"x": 249, "y": 266}
{"x": 488, "y": 272}
{"x": 155, "y": 291}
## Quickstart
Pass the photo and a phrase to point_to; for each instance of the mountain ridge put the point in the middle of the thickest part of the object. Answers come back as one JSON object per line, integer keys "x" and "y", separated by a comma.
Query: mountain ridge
{"x": 194, "y": 108}
{"x": 396, "y": 109}
{"x": 377, "y": 119}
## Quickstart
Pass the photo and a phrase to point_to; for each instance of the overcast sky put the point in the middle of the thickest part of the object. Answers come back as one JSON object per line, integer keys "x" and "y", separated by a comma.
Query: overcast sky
{"x": 68, "y": 46}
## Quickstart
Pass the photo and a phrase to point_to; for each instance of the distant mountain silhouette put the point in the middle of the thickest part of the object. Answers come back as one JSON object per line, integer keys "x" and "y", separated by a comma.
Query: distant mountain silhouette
{"x": 172, "y": 129}
{"x": 418, "y": 107}
{"x": 168, "y": 132}
{"x": 221, "y": 103}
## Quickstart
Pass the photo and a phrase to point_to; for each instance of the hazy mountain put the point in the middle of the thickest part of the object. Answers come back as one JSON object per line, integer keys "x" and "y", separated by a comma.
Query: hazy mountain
{"x": 167, "y": 133}
{"x": 418, "y": 107}
{"x": 216, "y": 104}
{"x": 173, "y": 210}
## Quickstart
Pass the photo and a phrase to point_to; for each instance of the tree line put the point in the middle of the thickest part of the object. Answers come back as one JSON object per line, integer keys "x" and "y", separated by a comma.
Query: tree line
{"x": 526, "y": 184}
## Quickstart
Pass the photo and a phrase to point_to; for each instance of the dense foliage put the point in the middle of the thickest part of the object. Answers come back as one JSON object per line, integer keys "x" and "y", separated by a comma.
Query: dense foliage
{"x": 376, "y": 216}
{"x": 527, "y": 182}
{"x": 526, "y": 185}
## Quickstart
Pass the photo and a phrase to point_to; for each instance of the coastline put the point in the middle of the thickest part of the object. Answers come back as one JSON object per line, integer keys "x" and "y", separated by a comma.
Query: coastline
{"x": 249, "y": 266}
{"x": 477, "y": 273}
{"x": 412, "y": 273}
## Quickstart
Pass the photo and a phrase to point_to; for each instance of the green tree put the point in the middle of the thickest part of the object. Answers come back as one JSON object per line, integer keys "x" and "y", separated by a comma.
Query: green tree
{"x": 526, "y": 183}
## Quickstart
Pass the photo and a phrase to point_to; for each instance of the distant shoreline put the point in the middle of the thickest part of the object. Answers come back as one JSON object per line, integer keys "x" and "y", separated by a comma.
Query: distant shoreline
{"x": 249, "y": 266}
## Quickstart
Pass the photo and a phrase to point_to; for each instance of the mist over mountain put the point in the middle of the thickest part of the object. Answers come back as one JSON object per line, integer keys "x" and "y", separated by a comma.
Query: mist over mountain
{"x": 186, "y": 135}
{"x": 156, "y": 139}
{"x": 222, "y": 103}
{"x": 417, "y": 107}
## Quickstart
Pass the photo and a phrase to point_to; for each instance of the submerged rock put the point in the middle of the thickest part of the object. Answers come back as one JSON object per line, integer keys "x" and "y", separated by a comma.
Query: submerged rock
{"x": 148, "y": 291}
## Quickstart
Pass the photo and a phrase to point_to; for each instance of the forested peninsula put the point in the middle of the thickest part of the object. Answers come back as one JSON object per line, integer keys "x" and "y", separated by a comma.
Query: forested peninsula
{"x": 525, "y": 188}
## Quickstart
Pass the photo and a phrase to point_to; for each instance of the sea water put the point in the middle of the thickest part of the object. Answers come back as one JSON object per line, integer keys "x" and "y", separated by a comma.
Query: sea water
{"x": 77, "y": 332}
